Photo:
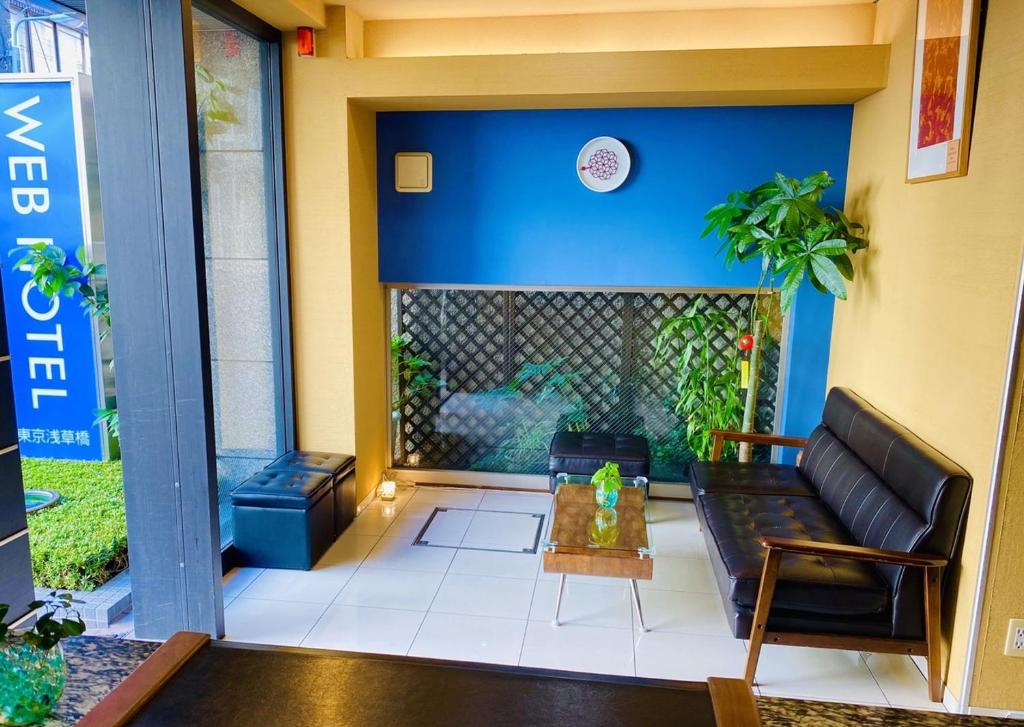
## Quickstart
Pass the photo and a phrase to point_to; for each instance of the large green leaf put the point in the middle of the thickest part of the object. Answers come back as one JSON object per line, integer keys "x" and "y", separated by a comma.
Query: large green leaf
{"x": 826, "y": 272}
{"x": 845, "y": 266}
{"x": 834, "y": 246}
{"x": 781, "y": 212}
{"x": 791, "y": 283}
{"x": 759, "y": 214}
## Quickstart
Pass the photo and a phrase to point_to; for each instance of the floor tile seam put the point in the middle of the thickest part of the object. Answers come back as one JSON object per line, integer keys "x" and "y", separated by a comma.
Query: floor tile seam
{"x": 526, "y": 629}
{"x": 867, "y": 665}
{"x": 431, "y": 604}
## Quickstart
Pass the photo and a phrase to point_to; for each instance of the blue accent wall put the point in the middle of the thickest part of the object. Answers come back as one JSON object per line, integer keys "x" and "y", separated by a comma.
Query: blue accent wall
{"x": 508, "y": 209}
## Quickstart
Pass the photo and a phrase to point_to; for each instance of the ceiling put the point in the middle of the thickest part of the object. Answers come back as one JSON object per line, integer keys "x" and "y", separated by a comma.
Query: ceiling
{"x": 406, "y": 9}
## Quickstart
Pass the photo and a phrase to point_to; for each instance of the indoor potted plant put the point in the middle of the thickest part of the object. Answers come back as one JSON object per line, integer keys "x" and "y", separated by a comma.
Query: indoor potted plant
{"x": 32, "y": 667}
{"x": 783, "y": 223}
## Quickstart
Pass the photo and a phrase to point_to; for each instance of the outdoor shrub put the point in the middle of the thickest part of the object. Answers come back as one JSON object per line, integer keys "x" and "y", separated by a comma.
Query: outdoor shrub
{"x": 81, "y": 542}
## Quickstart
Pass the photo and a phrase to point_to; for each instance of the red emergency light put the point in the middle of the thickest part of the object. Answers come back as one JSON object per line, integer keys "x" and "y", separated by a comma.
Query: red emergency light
{"x": 306, "y": 42}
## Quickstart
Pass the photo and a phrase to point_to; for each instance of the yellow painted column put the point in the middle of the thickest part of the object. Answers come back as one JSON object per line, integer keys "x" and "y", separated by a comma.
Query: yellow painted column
{"x": 924, "y": 335}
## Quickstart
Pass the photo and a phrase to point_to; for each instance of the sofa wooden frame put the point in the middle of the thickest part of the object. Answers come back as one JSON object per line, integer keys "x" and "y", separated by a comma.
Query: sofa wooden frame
{"x": 932, "y": 565}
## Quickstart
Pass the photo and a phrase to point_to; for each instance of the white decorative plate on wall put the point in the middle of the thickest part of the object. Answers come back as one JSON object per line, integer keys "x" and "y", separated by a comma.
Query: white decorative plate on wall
{"x": 603, "y": 164}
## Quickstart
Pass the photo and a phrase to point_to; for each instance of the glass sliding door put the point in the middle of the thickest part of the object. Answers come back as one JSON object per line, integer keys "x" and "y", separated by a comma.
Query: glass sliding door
{"x": 239, "y": 143}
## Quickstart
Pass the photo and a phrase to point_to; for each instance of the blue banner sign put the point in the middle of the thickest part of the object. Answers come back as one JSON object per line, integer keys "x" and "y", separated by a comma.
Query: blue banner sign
{"x": 53, "y": 344}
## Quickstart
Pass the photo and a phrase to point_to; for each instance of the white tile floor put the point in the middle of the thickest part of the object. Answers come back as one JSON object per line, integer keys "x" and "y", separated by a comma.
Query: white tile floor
{"x": 376, "y": 592}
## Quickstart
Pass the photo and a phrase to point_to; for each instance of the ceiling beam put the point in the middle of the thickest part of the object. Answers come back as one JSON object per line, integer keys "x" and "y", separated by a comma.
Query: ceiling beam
{"x": 288, "y": 14}
{"x": 748, "y": 76}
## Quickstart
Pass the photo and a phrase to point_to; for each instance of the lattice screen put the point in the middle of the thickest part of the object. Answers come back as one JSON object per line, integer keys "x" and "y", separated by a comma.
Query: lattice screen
{"x": 587, "y": 359}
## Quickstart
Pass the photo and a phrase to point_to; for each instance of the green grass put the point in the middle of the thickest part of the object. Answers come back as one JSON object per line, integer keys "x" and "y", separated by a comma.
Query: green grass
{"x": 81, "y": 542}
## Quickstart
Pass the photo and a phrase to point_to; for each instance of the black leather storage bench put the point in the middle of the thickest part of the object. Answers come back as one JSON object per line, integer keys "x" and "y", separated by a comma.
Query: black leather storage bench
{"x": 342, "y": 470}
{"x": 283, "y": 518}
{"x": 858, "y": 531}
{"x": 584, "y": 453}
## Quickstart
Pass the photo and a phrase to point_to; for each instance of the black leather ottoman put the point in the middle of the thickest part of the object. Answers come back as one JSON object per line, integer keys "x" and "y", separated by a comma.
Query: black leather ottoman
{"x": 341, "y": 468}
{"x": 283, "y": 518}
{"x": 584, "y": 453}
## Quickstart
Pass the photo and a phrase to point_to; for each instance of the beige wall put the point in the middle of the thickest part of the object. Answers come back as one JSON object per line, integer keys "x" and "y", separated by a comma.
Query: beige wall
{"x": 317, "y": 156}
{"x": 371, "y": 402}
{"x": 737, "y": 28}
{"x": 924, "y": 335}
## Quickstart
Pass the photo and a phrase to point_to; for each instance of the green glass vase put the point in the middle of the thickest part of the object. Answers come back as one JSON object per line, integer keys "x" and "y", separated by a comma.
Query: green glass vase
{"x": 606, "y": 493}
{"x": 31, "y": 682}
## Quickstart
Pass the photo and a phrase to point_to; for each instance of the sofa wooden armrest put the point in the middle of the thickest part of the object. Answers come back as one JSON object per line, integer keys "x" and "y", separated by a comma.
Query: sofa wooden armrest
{"x": 854, "y": 552}
{"x": 720, "y": 436}
{"x": 929, "y": 647}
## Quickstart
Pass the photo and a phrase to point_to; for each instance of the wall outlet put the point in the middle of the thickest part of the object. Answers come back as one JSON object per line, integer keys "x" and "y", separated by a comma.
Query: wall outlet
{"x": 1015, "y": 638}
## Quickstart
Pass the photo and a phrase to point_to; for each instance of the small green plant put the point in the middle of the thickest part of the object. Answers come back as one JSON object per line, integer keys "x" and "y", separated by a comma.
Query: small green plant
{"x": 607, "y": 482}
{"x": 55, "y": 276}
{"x": 58, "y": 620}
{"x": 705, "y": 396}
{"x": 109, "y": 417}
{"x": 607, "y": 477}
{"x": 412, "y": 376}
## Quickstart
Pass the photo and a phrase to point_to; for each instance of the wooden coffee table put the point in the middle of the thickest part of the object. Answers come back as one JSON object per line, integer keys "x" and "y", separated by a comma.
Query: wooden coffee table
{"x": 585, "y": 539}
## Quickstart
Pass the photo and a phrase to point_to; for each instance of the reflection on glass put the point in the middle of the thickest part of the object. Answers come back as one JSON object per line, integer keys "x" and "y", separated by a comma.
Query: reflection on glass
{"x": 235, "y": 166}
{"x": 604, "y": 528}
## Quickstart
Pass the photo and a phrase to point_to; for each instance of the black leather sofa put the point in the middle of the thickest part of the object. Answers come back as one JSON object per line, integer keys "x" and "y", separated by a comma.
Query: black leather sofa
{"x": 843, "y": 550}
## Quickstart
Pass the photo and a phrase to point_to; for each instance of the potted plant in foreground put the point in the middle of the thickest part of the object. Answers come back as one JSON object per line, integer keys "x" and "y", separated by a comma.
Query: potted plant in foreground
{"x": 32, "y": 667}
{"x": 783, "y": 223}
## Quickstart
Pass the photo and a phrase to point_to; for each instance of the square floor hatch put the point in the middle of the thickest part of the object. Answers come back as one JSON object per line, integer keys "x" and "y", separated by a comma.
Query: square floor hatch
{"x": 506, "y": 532}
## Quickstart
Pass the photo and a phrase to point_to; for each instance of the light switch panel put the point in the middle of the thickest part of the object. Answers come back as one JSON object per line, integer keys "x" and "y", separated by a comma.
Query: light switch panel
{"x": 414, "y": 171}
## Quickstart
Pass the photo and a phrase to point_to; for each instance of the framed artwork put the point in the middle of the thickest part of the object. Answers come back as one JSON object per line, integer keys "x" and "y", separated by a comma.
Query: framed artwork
{"x": 942, "y": 100}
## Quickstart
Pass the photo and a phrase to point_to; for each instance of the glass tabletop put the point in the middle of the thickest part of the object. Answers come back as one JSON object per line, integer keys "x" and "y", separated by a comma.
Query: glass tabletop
{"x": 579, "y": 525}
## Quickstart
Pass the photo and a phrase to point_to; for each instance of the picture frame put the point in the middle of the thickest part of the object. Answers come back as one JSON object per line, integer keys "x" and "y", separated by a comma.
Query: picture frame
{"x": 942, "y": 94}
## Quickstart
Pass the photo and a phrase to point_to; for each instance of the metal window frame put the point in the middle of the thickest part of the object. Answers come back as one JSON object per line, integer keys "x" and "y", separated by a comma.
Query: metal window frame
{"x": 276, "y": 199}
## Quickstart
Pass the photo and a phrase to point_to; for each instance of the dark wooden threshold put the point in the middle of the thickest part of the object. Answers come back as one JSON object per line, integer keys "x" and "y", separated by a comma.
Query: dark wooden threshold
{"x": 731, "y": 700}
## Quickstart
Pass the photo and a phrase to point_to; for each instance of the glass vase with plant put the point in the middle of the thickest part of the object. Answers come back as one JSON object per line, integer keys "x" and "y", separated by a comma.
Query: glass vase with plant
{"x": 32, "y": 667}
{"x": 784, "y": 224}
{"x": 607, "y": 482}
